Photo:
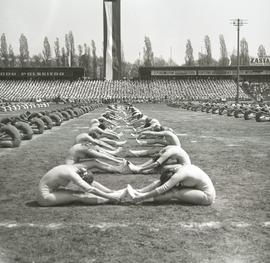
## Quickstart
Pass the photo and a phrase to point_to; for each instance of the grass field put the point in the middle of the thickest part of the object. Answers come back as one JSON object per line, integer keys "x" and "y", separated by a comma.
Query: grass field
{"x": 236, "y": 229}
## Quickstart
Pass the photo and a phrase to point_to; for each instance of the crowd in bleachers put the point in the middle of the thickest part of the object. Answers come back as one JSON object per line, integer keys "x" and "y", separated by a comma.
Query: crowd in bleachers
{"x": 258, "y": 111}
{"x": 260, "y": 91}
{"x": 118, "y": 91}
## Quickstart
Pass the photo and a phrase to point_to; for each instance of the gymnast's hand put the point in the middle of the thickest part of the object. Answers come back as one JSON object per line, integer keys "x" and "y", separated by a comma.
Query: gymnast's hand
{"x": 138, "y": 198}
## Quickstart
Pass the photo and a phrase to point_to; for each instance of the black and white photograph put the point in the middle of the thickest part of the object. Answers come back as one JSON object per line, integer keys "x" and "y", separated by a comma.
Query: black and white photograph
{"x": 134, "y": 131}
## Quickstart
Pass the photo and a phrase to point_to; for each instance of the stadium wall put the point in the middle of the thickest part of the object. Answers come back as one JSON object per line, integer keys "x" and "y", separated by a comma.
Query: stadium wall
{"x": 246, "y": 72}
{"x": 42, "y": 73}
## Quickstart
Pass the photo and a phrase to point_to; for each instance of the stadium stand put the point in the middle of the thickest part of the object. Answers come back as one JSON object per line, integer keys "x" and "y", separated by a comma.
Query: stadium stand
{"x": 260, "y": 91}
{"x": 118, "y": 91}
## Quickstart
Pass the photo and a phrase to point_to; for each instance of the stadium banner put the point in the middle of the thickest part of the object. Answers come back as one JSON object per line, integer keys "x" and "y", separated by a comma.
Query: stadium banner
{"x": 173, "y": 73}
{"x": 41, "y": 73}
{"x": 203, "y": 71}
{"x": 264, "y": 61}
{"x": 112, "y": 39}
{"x": 243, "y": 72}
{"x": 254, "y": 72}
{"x": 215, "y": 72}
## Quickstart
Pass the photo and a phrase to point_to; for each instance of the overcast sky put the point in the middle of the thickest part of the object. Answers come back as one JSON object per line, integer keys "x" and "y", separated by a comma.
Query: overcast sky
{"x": 168, "y": 23}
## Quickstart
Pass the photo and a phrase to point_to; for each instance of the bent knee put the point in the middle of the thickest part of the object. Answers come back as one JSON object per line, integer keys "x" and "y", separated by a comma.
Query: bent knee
{"x": 209, "y": 200}
{"x": 47, "y": 200}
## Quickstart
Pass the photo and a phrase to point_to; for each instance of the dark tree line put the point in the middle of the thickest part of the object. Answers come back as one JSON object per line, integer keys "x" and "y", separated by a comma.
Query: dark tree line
{"x": 85, "y": 56}
{"x": 205, "y": 58}
{"x": 65, "y": 56}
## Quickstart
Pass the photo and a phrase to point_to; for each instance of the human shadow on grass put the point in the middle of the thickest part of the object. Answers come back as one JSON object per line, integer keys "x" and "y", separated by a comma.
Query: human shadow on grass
{"x": 32, "y": 204}
{"x": 36, "y": 204}
{"x": 76, "y": 204}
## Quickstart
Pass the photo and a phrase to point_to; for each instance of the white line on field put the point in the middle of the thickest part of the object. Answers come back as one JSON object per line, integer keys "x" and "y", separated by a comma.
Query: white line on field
{"x": 55, "y": 226}
{"x": 181, "y": 134}
{"x": 266, "y": 224}
{"x": 152, "y": 227}
{"x": 241, "y": 224}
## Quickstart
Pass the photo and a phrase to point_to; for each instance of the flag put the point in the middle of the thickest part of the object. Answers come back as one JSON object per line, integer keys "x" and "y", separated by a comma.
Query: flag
{"x": 112, "y": 39}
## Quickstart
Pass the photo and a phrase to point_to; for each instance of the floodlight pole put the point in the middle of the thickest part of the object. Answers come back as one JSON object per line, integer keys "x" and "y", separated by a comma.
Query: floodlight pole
{"x": 238, "y": 22}
{"x": 238, "y": 60}
{"x": 170, "y": 56}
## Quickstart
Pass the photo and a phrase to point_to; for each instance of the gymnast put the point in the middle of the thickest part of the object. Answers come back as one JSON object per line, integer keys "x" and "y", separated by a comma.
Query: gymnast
{"x": 170, "y": 156}
{"x": 102, "y": 142}
{"x": 99, "y": 130}
{"x": 159, "y": 137}
{"x": 82, "y": 151}
{"x": 55, "y": 187}
{"x": 183, "y": 183}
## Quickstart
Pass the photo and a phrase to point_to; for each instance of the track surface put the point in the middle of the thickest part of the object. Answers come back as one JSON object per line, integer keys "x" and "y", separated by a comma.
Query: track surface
{"x": 234, "y": 152}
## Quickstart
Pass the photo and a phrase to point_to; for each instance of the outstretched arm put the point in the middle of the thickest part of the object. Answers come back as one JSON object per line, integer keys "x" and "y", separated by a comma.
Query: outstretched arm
{"x": 108, "y": 133}
{"x": 104, "y": 144}
{"x": 173, "y": 181}
{"x": 76, "y": 179}
{"x": 140, "y": 130}
{"x": 109, "y": 121}
{"x": 150, "y": 133}
{"x": 157, "y": 133}
{"x": 149, "y": 187}
{"x": 107, "y": 156}
{"x": 101, "y": 187}
{"x": 137, "y": 121}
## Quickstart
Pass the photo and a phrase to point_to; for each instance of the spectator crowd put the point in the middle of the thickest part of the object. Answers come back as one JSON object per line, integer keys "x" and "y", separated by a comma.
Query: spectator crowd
{"x": 259, "y": 91}
{"x": 118, "y": 91}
